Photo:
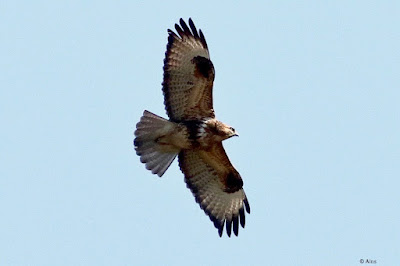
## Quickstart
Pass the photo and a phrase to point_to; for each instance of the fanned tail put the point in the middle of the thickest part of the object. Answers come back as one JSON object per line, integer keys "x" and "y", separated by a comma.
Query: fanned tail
{"x": 147, "y": 134}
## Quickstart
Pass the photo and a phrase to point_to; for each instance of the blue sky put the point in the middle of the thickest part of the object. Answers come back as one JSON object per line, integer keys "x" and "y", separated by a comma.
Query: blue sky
{"x": 312, "y": 87}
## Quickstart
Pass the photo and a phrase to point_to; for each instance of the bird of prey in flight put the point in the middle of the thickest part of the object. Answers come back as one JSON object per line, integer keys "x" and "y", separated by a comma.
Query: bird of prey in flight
{"x": 192, "y": 132}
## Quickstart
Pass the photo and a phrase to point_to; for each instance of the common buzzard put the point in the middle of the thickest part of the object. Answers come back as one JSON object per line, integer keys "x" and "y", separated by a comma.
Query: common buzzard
{"x": 192, "y": 132}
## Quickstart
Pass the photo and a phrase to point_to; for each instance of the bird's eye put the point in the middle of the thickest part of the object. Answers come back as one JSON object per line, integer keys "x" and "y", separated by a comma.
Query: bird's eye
{"x": 232, "y": 129}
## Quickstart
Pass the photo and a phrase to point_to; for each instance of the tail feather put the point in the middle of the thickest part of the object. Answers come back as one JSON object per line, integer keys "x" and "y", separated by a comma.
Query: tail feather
{"x": 146, "y": 146}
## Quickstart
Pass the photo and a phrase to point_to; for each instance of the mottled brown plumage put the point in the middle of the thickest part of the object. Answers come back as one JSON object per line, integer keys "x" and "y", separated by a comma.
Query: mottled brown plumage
{"x": 192, "y": 133}
{"x": 188, "y": 75}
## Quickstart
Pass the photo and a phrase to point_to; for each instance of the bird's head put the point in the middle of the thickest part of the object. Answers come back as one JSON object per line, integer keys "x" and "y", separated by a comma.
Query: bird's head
{"x": 226, "y": 131}
{"x": 232, "y": 132}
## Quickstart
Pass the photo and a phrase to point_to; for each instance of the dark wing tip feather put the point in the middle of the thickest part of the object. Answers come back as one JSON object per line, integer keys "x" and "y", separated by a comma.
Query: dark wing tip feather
{"x": 242, "y": 217}
{"x": 193, "y": 28}
{"x": 203, "y": 39}
{"x": 235, "y": 224}
{"x": 229, "y": 227}
{"x": 171, "y": 36}
{"x": 179, "y": 30}
{"x": 218, "y": 224}
{"x": 220, "y": 230}
{"x": 181, "y": 21}
{"x": 247, "y": 205}
{"x": 185, "y": 27}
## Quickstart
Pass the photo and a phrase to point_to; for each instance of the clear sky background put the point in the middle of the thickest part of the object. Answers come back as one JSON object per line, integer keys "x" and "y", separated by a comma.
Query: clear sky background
{"x": 312, "y": 87}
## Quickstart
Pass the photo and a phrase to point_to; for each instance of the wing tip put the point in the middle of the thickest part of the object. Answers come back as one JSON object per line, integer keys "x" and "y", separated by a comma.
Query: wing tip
{"x": 242, "y": 217}
{"x": 220, "y": 230}
{"x": 247, "y": 205}
{"x": 229, "y": 223}
{"x": 184, "y": 31}
{"x": 235, "y": 224}
{"x": 228, "y": 227}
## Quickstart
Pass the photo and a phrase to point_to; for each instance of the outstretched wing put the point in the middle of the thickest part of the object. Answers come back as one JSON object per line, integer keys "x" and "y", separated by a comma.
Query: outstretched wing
{"x": 188, "y": 75}
{"x": 217, "y": 187}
